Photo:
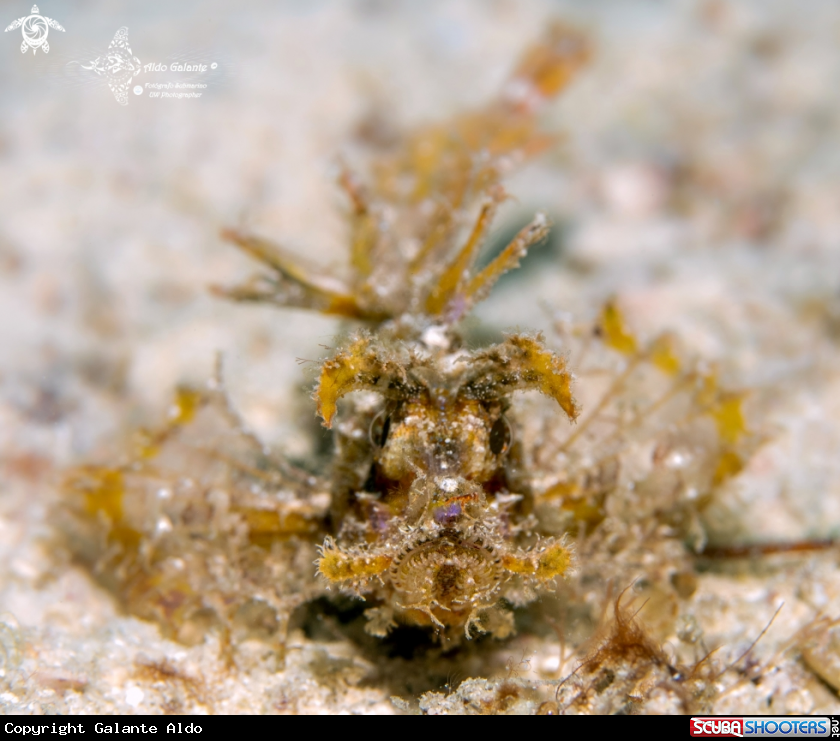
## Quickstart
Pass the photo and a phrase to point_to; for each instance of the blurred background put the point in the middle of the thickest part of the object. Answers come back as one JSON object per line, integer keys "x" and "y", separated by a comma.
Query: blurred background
{"x": 696, "y": 179}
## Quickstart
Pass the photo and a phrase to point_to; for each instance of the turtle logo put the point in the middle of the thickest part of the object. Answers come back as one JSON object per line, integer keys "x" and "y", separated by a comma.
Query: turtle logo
{"x": 118, "y": 66}
{"x": 35, "y": 30}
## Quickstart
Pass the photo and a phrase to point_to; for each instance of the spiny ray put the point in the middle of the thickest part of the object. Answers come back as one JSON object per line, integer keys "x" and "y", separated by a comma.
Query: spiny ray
{"x": 456, "y": 274}
{"x": 481, "y": 284}
{"x": 424, "y": 191}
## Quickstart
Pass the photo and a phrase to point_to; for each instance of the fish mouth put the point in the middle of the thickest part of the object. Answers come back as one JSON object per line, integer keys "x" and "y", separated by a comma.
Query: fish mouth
{"x": 447, "y": 577}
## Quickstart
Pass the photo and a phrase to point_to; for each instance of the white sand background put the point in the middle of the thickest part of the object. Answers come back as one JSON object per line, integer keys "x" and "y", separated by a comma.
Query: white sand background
{"x": 698, "y": 180}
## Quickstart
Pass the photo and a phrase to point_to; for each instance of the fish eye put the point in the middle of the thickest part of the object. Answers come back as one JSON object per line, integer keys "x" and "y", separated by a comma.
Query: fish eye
{"x": 379, "y": 429}
{"x": 500, "y": 436}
